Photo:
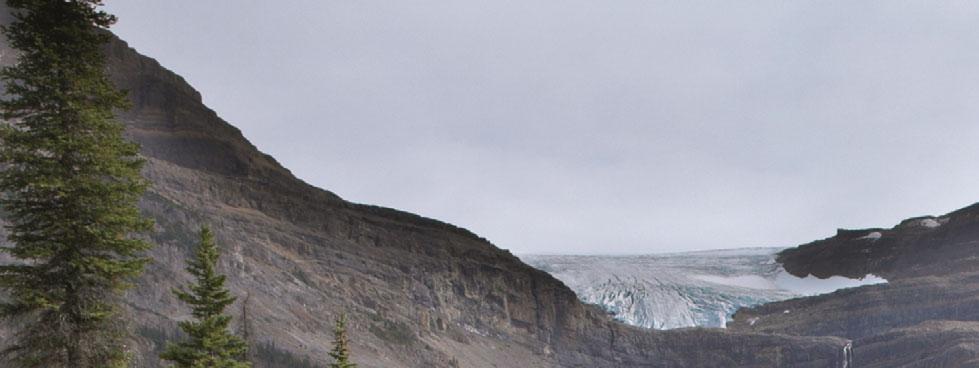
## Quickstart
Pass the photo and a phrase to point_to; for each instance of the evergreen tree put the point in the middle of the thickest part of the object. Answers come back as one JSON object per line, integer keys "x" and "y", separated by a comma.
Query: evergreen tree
{"x": 210, "y": 343}
{"x": 69, "y": 185}
{"x": 245, "y": 328}
{"x": 341, "y": 350}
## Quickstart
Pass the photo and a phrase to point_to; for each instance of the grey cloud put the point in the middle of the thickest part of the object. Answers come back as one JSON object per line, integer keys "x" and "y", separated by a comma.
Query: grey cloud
{"x": 595, "y": 126}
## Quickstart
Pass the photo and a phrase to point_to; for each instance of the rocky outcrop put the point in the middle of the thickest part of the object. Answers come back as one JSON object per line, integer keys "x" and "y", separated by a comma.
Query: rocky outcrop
{"x": 922, "y": 318}
{"x": 419, "y": 292}
{"x": 930, "y": 344}
{"x": 916, "y": 247}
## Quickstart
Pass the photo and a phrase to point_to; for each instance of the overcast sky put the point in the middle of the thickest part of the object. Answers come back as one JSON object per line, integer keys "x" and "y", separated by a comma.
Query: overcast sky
{"x": 572, "y": 126}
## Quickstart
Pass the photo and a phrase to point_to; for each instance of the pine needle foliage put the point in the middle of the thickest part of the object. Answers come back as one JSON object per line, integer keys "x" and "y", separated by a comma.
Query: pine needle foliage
{"x": 210, "y": 343}
{"x": 69, "y": 185}
{"x": 341, "y": 348}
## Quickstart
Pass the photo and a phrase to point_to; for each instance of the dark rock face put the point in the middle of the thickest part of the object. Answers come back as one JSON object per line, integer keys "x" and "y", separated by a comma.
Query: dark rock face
{"x": 924, "y": 317}
{"x": 419, "y": 292}
{"x": 915, "y": 247}
{"x": 930, "y": 344}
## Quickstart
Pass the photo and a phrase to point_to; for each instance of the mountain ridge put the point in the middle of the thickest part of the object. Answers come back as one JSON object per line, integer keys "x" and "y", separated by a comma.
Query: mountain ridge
{"x": 923, "y": 317}
{"x": 419, "y": 292}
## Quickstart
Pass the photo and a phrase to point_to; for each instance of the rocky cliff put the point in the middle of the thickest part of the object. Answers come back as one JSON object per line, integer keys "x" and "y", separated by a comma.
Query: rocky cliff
{"x": 925, "y": 316}
{"x": 419, "y": 292}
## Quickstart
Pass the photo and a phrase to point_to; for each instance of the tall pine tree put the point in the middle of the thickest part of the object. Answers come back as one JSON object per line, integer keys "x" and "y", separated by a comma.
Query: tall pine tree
{"x": 210, "y": 344}
{"x": 341, "y": 350}
{"x": 69, "y": 185}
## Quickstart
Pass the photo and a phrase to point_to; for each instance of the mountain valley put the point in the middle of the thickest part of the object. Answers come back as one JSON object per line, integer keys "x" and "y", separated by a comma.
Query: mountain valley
{"x": 424, "y": 293}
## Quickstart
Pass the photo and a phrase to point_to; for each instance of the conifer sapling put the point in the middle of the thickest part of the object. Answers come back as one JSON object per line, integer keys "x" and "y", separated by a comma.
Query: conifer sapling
{"x": 210, "y": 343}
{"x": 341, "y": 350}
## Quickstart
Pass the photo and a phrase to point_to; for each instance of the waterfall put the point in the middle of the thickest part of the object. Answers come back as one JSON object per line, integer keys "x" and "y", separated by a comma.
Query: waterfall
{"x": 847, "y": 355}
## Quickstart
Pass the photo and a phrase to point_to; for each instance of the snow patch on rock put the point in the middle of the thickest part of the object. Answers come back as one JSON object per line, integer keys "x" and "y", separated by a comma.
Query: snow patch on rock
{"x": 872, "y": 236}
{"x": 812, "y": 285}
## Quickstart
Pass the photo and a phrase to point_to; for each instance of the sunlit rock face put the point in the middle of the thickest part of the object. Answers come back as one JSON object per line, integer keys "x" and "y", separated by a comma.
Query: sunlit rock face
{"x": 693, "y": 289}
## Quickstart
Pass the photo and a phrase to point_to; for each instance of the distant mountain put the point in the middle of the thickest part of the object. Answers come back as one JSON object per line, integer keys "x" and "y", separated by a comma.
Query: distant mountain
{"x": 692, "y": 289}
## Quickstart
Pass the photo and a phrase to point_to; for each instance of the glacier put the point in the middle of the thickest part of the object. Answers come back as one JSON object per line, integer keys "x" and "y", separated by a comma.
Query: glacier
{"x": 689, "y": 289}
